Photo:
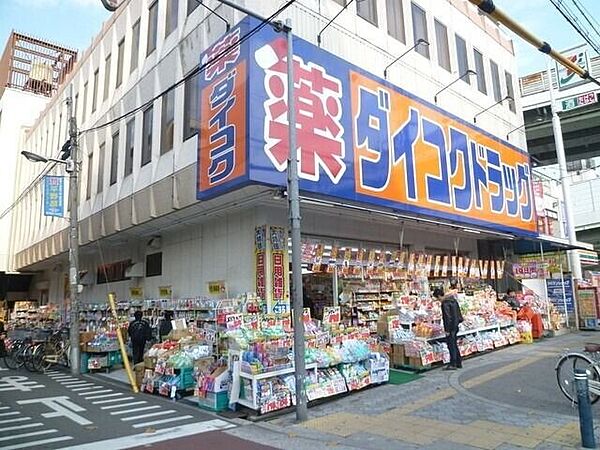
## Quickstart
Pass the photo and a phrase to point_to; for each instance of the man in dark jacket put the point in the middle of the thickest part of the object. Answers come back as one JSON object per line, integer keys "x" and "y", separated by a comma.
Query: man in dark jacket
{"x": 165, "y": 325}
{"x": 139, "y": 331}
{"x": 451, "y": 317}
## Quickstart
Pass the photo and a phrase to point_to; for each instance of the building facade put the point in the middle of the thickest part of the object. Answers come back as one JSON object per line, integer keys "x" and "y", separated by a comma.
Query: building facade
{"x": 141, "y": 224}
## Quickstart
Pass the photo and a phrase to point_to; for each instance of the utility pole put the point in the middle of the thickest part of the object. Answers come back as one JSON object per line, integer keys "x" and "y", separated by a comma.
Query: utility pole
{"x": 294, "y": 216}
{"x": 72, "y": 167}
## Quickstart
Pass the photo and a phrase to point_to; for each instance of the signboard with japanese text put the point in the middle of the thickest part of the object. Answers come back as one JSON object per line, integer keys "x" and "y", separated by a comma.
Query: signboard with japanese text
{"x": 579, "y": 101}
{"x": 360, "y": 138}
{"x": 560, "y": 292}
{"x": 54, "y": 197}
{"x": 260, "y": 248}
{"x": 566, "y": 77}
{"x": 136, "y": 293}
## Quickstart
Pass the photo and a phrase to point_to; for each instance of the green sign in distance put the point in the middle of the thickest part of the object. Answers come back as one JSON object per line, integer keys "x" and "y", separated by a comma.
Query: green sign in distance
{"x": 577, "y": 102}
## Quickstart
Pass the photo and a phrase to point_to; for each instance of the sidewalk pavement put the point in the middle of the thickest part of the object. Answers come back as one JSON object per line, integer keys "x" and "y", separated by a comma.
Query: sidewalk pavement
{"x": 508, "y": 399}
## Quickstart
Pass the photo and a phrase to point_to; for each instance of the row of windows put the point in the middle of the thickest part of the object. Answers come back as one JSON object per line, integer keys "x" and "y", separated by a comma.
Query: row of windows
{"x": 167, "y": 136}
{"x": 367, "y": 9}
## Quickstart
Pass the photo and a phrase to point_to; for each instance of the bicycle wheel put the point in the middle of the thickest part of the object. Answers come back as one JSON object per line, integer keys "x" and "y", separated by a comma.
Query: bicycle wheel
{"x": 42, "y": 356}
{"x": 12, "y": 360}
{"x": 565, "y": 374}
{"x": 27, "y": 355}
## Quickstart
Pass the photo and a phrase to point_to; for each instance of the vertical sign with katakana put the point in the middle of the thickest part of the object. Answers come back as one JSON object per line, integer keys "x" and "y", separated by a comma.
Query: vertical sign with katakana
{"x": 278, "y": 241}
{"x": 260, "y": 248}
{"x": 223, "y": 93}
{"x": 54, "y": 198}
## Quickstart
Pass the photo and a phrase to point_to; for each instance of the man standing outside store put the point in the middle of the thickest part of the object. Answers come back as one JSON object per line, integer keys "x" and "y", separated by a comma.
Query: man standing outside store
{"x": 139, "y": 331}
{"x": 451, "y": 317}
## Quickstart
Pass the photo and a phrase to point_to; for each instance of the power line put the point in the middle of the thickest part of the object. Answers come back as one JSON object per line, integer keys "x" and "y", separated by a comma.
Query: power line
{"x": 195, "y": 71}
{"x": 571, "y": 18}
{"x": 586, "y": 15}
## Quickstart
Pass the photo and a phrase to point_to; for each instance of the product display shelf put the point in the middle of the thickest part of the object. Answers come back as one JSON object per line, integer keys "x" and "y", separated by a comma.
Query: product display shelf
{"x": 368, "y": 305}
{"x": 255, "y": 378}
{"x": 490, "y": 327}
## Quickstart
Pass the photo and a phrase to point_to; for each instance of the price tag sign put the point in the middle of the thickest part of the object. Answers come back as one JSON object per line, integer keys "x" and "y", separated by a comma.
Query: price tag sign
{"x": 250, "y": 321}
{"x": 136, "y": 292}
{"x": 217, "y": 287}
{"x": 331, "y": 315}
{"x": 234, "y": 321}
{"x": 306, "y": 315}
{"x": 165, "y": 292}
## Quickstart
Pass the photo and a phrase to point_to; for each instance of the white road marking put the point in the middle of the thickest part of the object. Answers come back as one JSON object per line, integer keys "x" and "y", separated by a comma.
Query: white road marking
{"x": 143, "y": 439}
{"x": 62, "y": 407}
{"x": 123, "y": 405}
{"x": 102, "y": 396}
{"x": 3, "y": 408}
{"x": 105, "y": 391}
{"x": 36, "y": 443}
{"x": 63, "y": 377}
{"x": 18, "y": 419}
{"x": 13, "y": 413}
{"x": 127, "y": 411}
{"x": 158, "y": 422}
{"x": 143, "y": 416}
{"x": 91, "y": 387}
{"x": 27, "y": 425}
{"x": 74, "y": 383}
{"x": 24, "y": 435}
{"x": 52, "y": 372}
{"x": 112, "y": 400}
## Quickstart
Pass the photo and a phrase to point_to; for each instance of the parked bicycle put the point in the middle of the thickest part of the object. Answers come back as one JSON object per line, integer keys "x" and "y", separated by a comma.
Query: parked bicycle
{"x": 570, "y": 362}
{"x": 55, "y": 350}
{"x": 20, "y": 354}
{"x": 37, "y": 350}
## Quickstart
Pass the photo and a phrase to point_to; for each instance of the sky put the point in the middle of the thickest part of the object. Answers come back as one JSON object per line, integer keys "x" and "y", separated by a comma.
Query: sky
{"x": 542, "y": 19}
{"x": 74, "y": 23}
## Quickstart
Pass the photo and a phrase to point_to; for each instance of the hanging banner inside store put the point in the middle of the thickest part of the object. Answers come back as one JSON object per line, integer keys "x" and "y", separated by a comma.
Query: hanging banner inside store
{"x": 530, "y": 270}
{"x": 556, "y": 287}
{"x": 360, "y": 138}
{"x": 54, "y": 196}
{"x": 278, "y": 239}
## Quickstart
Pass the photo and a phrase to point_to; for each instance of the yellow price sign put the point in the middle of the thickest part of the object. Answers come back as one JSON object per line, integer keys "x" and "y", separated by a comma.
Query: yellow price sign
{"x": 216, "y": 287}
{"x": 136, "y": 292}
{"x": 165, "y": 291}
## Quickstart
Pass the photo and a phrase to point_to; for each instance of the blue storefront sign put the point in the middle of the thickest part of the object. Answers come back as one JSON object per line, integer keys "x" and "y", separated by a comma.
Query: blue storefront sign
{"x": 360, "y": 138}
{"x": 54, "y": 198}
{"x": 555, "y": 293}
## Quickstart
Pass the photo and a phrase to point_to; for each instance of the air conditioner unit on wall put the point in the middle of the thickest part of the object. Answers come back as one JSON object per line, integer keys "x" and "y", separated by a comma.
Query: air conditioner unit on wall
{"x": 136, "y": 270}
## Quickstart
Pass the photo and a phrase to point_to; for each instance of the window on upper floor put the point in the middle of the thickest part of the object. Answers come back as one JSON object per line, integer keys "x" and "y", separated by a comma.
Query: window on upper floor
{"x": 395, "y": 20}
{"x": 443, "y": 49}
{"x": 367, "y": 9}
{"x": 100, "y": 186}
{"x": 171, "y": 18}
{"x": 419, "y": 20}
{"x": 192, "y": 5}
{"x": 480, "y": 69}
{"x": 154, "y": 264}
{"x": 191, "y": 108}
{"x": 147, "y": 136}
{"x": 107, "y": 63}
{"x": 85, "y": 93}
{"x": 496, "y": 88}
{"x": 152, "y": 28}
{"x": 129, "y": 147}
{"x": 135, "y": 45}
{"x": 167, "y": 122}
{"x": 462, "y": 58}
{"x": 88, "y": 186}
{"x": 510, "y": 91}
{"x": 114, "y": 158}
{"x": 120, "y": 61}
{"x": 95, "y": 92}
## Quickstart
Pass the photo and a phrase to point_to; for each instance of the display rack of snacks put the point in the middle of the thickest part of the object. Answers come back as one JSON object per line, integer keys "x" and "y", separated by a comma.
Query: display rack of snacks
{"x": 25, "y": 314}
{"x": 368, "y": 301}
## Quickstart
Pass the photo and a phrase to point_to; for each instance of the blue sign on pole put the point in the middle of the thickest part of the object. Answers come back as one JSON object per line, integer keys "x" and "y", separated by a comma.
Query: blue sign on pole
{"x": 54, "y": 197}
{"x": 555, "y": 293}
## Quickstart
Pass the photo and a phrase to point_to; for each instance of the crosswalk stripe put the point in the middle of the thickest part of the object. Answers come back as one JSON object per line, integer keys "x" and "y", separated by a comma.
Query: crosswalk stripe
{"x": 144, "y": 416}
{"x": 91, "y": 387}
{"x": 36, "y": 443}
{"x": 4, "y": 408}
{"x": 105, "y": 391}
{"x": 24, "y": 435}
{"x": 102, "y": 396}
{"x": 27, "y": 425}
{"x": 12, "y": 413}
{"x": 127, "y": 411}
{"x": 63, "y": 377}
{"x": 52, "y": 372}
{"x": 18, "y": 419}
{"x": 158, "y": 422}
{"x": 123, "y": 405}
{"x": 74, "y": 383}
{"x": 112, "y": 400}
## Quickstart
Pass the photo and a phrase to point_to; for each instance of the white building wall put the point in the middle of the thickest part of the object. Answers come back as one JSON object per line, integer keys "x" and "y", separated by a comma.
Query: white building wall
{"x": 18, "y": 111}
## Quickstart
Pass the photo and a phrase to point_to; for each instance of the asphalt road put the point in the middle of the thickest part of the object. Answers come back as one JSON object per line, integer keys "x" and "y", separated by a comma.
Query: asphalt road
{"x": 56, "y": 410}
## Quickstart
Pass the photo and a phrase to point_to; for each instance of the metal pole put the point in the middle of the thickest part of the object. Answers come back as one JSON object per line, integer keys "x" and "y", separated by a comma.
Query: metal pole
{"x": 294, "y": 211}
{"x": 564, "y": 294}
{"x": 73, "y": 238}
{"x": 586, "y": 421}
{"x": 545, "y": 284}
{"x": 564, "y": 181}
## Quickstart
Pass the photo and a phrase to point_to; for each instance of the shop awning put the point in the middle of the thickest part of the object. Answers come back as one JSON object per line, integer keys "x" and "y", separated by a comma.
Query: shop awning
{"x": 548, "y": 244}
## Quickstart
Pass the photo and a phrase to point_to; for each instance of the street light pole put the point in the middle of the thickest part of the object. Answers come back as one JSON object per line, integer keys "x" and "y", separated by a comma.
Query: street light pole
{"x": 73, "y": 168}
{"x": 294, "y": 215}
{"x": 564, "y": 181}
